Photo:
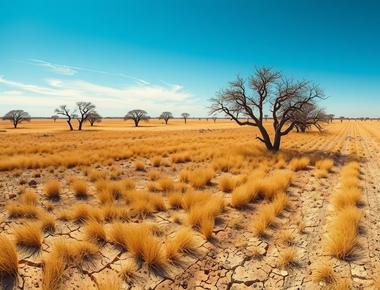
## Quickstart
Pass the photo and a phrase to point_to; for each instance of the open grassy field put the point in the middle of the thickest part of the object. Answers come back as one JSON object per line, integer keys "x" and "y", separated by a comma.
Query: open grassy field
{"x": 200, "y": 205}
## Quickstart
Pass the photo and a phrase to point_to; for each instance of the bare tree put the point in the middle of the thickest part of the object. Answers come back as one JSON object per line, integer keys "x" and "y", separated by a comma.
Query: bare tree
{"x": 17, "y": 117}
{"x": 55, "y": 117}
{"x": 66, "y": 112}
{"x": 185, "y": 116}
{"x": 93, "y": 118}
{"x": 84, "y": 109}
{"x": 283, "y": 96}
{"x": 136, "y": 115}
{"x": 166, "y": 116}
{"x": 310, "y": 115}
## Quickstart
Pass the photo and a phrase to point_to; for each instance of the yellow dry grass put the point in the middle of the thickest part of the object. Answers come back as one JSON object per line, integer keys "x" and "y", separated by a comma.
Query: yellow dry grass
{"x": 8, "y": 257}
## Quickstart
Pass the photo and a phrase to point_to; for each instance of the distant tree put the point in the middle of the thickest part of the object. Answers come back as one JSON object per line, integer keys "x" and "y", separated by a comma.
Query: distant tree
{"x": 93, "y": 118}
{"x": 166, "y": 116}
{"x": 84, "y": 109}
{"x": 285, "y": 97}
{"x": 136, "y": 115}
{"x": 55, "y": 117}
{"x": 17, "y": 117}
{"x": 308, "y": 116}
{"x": 214, "y": 118}
{"x": 63, "y": 110}
{"x": 341, "y": 118}
{"x": 185, "y": 116}
{"x": 330, "y": 118}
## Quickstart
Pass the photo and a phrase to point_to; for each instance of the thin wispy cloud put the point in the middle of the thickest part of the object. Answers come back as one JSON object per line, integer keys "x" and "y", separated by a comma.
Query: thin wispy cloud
{"x": 57, "y": 68}
{"x": 72, "y": 70}
{"x": 115, "y": 100}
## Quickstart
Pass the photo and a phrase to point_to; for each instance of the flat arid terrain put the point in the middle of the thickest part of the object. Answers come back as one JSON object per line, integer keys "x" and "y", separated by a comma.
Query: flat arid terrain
{"x": 196, "y": 206}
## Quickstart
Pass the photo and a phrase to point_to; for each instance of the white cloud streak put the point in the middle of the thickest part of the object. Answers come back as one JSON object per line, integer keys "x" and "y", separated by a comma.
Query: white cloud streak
{"x": 110, "y": 100}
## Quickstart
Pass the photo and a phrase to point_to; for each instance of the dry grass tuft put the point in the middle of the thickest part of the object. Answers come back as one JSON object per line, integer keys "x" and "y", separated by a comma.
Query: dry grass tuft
{"x": 80, "y": 188}
{"x": 166, "y": 184}
{"x": 113, "y": 212}
{"x": 199, "y": 178}
{"x": 298, "y": 164}
{"x": 82, "y": 212}
{"x": 175, "y": 200}
{"x": 95, "y": 232}
{"x": 325, "y": 165}
{"x": 324, "y": 272}
{"x": 156, "y": 161}
{"x": 342, "y": 232}
{"x": 29, "y": 235}
{"x": 182, "y": 242}
{"x": 52, "y": 189}
{"x": 53, "y": 268}
{"x": 154, "y": 174}
{"x": 18, "y": 210}
{"x": 29, "y": 197}
{"x": 139, "y": 165}
{"x": 227, "y": 183}
{"x": 287, "y": 257}
{"x": 47, "y": 222}
{"x": 265, "y": 218}
{"x": 8, "y": 257}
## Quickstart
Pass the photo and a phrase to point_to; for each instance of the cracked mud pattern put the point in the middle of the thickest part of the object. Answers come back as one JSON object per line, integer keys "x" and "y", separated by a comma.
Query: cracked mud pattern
{"x": 234, "y": 257}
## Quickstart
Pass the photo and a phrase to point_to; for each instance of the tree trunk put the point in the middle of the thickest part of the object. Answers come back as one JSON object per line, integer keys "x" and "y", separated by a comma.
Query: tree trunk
{"x": 70, "y": 126}
{"x": 277, "y": 141}
{"x": 136, "y": 123}
{"x": 265, "y": 137}
{"x": 166, "y": 122}
{"x": 185, "y": 121}
{"x": 80, "y": 125}
{"x": 15, "y": 124}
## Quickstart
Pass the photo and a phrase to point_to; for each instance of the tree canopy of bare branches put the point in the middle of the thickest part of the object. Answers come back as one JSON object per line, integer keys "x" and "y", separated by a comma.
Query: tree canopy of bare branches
{"x": 249, "y": 98}
{"x": 17, "y": 117}
{"x": 93, "y": 118}
{"x": 166, "y": 116}
{"x": 185, "y": 116}
{"x": 136, "y": 115}
{"x": 55, "y": 117}
{"x": 310, "y": 115}
{"x": 67, "y": 113}
{"x": 84, "y": 110}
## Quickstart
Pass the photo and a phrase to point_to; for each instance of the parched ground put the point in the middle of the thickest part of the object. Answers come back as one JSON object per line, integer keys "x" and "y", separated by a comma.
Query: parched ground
{"x": 233, "y": 257}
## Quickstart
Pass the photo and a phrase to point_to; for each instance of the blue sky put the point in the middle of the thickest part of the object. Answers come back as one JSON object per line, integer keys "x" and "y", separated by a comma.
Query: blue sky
{"x": 174, "y": 55}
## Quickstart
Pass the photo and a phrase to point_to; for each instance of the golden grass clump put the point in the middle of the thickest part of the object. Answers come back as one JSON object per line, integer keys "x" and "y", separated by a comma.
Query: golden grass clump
{"x": 80, "y": 188}
{"x": 201, "y": 177}
{"x": 140, "y": 241}
{"x": 139, "y": 165}
{"x": 113, "y": 212}
{"x": 29, "y": 197}
{"x": 52, "y": 189}
{"x": 8, "y": 257}
{"x": 108, "y": 191}
{"x": 181, "y": 157}
{"x": 154, "y": 174}
{"x": 128, "y": 184}
{"x": 297, "y": 164}
{"x": 265, "y": 217}
{"x": 269, "y": 186}
{"x": 144, "y": 203}
{"x": 95, "y": 232}
{"x": 47, "y": 222}
{"x": 324, "y": 272}
{"x": 182, "y": 242}
{"x": 346, "y": 197}
{"x": 156, "y": 161}
{"x": 325, "y": 164}
{"x": 201, "y": 215}
{"x": 175, "y": 199}
{"x": 29, "y": 235}
{"x": 342, "y": 232}
{"x": 53, "y": 268}
{"x": 227, "y": 183}
{"x": 287, "y": 257}
{"x": 166, "y": 184}
{"x": 82, "y": 212}
{"x": 19, "y": 210}
{"x": 241, "y": 196}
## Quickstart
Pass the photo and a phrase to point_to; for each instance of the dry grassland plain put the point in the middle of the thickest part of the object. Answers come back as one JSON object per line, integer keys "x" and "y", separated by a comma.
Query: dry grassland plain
{"x": 195, "y": 206}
